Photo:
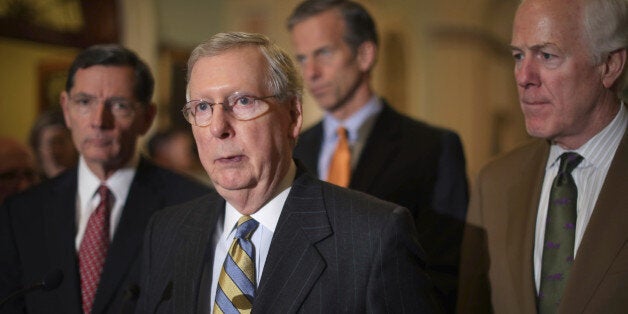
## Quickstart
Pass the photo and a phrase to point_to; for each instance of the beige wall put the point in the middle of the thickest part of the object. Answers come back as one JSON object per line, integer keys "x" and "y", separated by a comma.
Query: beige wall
{"x": 19, "y": 83}
{"x": 442, "y": 61}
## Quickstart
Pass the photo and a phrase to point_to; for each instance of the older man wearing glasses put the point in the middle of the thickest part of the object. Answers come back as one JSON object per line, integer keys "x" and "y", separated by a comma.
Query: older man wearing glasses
{"x": 275, "y": 239}
{"x": 88, "y": 223}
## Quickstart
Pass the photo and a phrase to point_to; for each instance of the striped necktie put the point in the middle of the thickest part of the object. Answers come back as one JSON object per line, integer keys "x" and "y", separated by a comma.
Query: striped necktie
{"x": 560, "y": 227}
{"x": 236, "y": 284}
{"x": 340, "y": 165}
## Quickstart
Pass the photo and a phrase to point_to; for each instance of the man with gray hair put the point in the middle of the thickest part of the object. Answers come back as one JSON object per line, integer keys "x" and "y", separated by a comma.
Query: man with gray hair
{"x": 547, "y": 221}
{"x": 273, "y": 239}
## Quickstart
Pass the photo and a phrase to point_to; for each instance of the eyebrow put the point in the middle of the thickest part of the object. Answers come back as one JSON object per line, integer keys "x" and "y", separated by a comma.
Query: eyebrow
{"x": 534, "y": 47}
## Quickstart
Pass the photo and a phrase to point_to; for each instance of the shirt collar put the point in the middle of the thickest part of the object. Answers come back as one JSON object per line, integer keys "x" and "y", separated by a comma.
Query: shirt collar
{"x": 593, "y": 156}
{"x": 118, "y": 183}
{"x": 354, "y": 122}
{"x": 268, "y": 215}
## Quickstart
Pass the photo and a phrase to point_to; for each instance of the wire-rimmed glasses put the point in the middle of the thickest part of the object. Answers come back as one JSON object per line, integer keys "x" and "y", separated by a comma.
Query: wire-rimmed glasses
{"x": 240, "y": 106}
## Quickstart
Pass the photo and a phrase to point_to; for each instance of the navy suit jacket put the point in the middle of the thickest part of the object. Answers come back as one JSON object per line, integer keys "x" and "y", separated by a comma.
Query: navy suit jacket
{"x": 37, "y": 234}
{"x": 417, "y": 166}
{"x": 333, "y": 251}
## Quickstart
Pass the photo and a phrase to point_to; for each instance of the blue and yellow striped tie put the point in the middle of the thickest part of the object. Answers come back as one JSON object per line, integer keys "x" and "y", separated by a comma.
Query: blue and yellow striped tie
{"x": 236, "y": 284}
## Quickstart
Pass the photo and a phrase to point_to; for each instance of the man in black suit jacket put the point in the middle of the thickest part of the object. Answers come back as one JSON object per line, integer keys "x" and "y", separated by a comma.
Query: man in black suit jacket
{"x": 393, "y": 157}
{"x": 107, "y": 107}
{"x": 316, "y": 247}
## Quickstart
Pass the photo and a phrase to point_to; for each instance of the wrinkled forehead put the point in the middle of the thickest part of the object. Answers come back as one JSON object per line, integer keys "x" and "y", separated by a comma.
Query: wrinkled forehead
{"x": 543, "y": 22}
{"x": 238, "y": 69}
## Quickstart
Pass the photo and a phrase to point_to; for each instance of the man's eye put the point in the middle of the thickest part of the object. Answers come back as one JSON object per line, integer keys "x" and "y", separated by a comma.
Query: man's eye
{"x": 546, "y": 56}
{"x": 83, "y": 101}
{"x": 119, "y": 105}
{"x": 244, "y": 101}
{"x": 517, "y": 56}
{"x": 203, "y": 106}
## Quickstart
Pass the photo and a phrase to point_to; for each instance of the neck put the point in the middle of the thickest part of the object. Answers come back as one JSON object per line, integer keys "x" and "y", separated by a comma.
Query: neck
{"x": 355, "y": 100}
{"x": 599, "y": 118}
{"x": 249, "y": 201}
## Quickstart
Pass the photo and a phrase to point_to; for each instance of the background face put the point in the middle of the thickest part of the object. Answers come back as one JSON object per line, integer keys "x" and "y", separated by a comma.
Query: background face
{"x": 237, "y": 155}
{"x": 559, "y": 87}
{"x": 330, "y": 69}
{"x": 102, "y": 139}
{"x": 56, "y": 150}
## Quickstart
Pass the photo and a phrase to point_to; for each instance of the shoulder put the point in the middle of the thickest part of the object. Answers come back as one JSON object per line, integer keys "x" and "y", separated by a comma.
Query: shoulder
{"x": 414, "y": 129}
{"x": 343, "y": 203}
{"x": 171, "y": 184}
{"x": 521, "y": 155}
{"x": 192, "y": 210}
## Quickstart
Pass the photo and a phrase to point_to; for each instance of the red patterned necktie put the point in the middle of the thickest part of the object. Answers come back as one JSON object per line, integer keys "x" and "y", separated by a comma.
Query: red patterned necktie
{"x": 93, "y": 249}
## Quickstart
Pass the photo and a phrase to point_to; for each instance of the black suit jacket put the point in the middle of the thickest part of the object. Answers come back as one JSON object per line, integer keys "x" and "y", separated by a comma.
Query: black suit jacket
{"x": 417, "y": 166}
{"x": 333, "y": 251}
{"x": 404, "y": 161}
{"x": 37, "y": 234}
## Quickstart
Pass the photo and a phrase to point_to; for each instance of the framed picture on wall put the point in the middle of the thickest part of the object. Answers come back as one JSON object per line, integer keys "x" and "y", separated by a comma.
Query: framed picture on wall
{"x": 52, "y": 77}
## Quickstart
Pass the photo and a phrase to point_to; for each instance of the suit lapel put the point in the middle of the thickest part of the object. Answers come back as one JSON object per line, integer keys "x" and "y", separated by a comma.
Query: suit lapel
{"x": 143, "y": 199}
{"x": 293, "y": 264}
{"x": 380, "y": 149}
{"x": 604, "y": 237}
{"x": 60, "y": 238}
{"x": 196, "y": 249}
{"x": 522, "y": 222}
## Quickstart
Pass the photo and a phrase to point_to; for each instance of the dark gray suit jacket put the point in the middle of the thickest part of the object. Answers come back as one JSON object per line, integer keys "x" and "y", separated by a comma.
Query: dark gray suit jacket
{"x": 417, "y": 166}
{"x": 37, "y": 231}
{"x": 333, "y": 251}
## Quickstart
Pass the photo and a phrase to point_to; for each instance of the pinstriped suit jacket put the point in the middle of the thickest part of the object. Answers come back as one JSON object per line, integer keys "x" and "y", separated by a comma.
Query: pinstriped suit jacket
{"x": 334, "y": 251}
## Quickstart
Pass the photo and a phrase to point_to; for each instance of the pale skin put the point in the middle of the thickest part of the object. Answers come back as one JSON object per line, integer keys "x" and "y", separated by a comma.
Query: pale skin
{"x": 249, "y": 162}
{"x": 337, "y": 78}
{"x": 107, "y": 143}
{"x": 564, "y": 96}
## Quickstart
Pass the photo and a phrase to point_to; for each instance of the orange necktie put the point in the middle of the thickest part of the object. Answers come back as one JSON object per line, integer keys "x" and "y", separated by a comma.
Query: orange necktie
{"x": 340, "y": 166}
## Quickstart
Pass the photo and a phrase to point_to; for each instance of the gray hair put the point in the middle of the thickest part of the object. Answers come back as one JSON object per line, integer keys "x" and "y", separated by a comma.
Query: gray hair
{"x": 282, "y": 76}
{"x": 606, "y": 30}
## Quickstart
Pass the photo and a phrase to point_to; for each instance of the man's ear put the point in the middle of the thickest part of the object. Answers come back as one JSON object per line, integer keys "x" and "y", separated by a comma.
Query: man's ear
{"x": 613, "y": 67}
{"x": 366, "y": 55}
{"x": 296, "y": 117}
{"x": 150, "y": 111}
{"x": 64, "y": 100}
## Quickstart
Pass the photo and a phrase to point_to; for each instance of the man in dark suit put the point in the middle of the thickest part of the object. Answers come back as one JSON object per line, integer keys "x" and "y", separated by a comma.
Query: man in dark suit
{"x": 392, "y": 156}
{"x": 299, "y": 244}
{"x": 548, "y": 220}
{"x": 94, "y": 238}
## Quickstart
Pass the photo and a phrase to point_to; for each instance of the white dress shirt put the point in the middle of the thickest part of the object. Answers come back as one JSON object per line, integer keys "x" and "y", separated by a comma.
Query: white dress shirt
{"x": 589, "y": 177}
{"x": 267, "y": 217}
{"x": 87, "y": 198}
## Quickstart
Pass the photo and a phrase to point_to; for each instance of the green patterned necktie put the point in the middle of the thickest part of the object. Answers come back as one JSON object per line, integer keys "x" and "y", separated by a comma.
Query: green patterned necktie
{"x": 560, "y": 230}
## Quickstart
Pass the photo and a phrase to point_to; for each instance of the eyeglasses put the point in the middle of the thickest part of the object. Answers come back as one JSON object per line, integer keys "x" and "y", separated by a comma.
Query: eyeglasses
{"x": 241, "y": 107}
{"x": 119, "y": 107}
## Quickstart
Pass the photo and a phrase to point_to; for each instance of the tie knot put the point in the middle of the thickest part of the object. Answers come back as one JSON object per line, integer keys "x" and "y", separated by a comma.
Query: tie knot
{"x": 569, "y": 161}
{"x": 246, "y": 227}
{"x": 342, "y": 132}
{"x": 106, "y": 197}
